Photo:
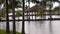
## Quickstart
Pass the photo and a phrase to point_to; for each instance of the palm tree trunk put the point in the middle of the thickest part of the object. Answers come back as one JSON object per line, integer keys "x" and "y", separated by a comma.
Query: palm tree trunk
{"x": 59, "y": 8}
{"x": 14, "y": 26}
{"x": 23, "y": 24}
{"x": 29, "y": 8}
{"x": 7, "y": 18}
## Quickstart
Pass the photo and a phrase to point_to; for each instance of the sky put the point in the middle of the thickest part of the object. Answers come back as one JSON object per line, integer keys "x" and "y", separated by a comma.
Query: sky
{"x": 56, "y": 4}
{"x": 31, "y": 5}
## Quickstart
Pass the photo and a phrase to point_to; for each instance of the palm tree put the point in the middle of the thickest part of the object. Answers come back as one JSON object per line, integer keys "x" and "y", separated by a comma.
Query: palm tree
{"x": 7, "y": 19}
{"x": 23, "y": 31}
{"x": 9, "y": 6}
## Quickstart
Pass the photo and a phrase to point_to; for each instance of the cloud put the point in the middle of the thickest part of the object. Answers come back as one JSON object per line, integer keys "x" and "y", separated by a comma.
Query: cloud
{"x": 56, "y": 4}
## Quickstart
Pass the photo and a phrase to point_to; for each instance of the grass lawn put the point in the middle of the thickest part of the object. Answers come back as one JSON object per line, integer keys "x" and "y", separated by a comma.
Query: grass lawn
{"x": 4, "y": 32}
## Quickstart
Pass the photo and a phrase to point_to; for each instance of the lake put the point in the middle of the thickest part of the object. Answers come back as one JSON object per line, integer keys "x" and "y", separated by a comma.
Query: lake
{"x": 36, "y": 27}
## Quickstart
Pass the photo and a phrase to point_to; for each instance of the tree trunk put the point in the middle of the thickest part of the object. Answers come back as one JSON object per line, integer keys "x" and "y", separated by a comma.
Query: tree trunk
{"x": 23, "y": 24}
{"x": 7, "y": 18}
{"x": 13, "y": 8}
{"x": 29, "y": 8}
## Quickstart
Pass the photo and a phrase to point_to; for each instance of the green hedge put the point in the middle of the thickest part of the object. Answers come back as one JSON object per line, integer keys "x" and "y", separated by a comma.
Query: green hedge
{"x": 4, "y": 32}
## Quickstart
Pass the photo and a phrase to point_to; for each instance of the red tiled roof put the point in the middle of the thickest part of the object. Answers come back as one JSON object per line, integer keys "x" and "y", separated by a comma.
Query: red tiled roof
{"x": 34, "y": 8}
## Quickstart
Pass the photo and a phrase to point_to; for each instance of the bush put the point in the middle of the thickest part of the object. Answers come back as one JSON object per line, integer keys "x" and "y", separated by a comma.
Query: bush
{"x": 4, "y": 32}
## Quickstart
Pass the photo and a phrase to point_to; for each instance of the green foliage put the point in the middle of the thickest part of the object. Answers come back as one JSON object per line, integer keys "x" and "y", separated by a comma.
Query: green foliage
{"x": 4, "y": 32}
{"x": 53, "y": 0}
{"x": 10, "y": 3}
{"x": 3, "y": 13}
{"x": 40, "y": 12}
{"x": 34, "y": 1}
{"x": 56, "y": 10}
{"x": 1, "y": 1}
{"x": 18, "y": 14}
{"x": 16, "y": 5}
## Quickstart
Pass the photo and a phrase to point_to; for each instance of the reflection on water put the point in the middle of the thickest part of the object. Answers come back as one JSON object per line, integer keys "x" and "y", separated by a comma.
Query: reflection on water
{"x": 35, "y": 27}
